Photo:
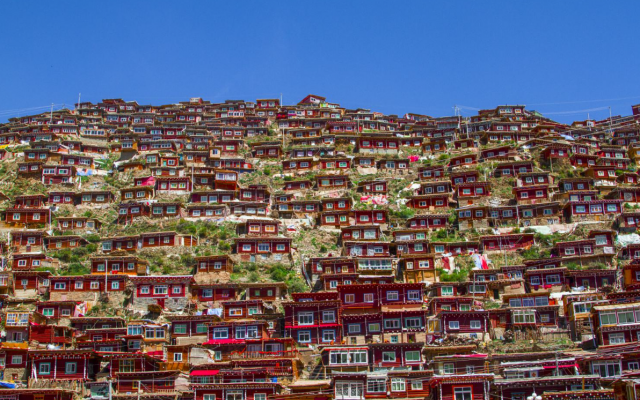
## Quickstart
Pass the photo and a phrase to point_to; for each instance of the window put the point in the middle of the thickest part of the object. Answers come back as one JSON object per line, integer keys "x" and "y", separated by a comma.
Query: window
{"x": 16, "y": 359}
{"x": 220, "y": 333}
{"x": 524, "y": 317}
{"x": 392, "y": 296}
{"x": 180, "y": 328}
{"x": 608, "y": 319}
{"x": 44, "y": 368}
{"x": 374, "y": 327}
{"x": 304, "y": 336}
{"x": 606, "y": 368}
{"x": 462, "y": 393}
{"x": 398, "y": 384}
{"x": 328, "y": 335}
{"x": 48, "y": 312}
{"x": 625, "y": 317}
{"x": 413, "y": 322}
{"x": 328, "y": 317}
{"x": 305, "y": 318}
{"x": 454, "y": 325}
{"x": 392, "y": 324}
{"x": 447, "y": 291}
{"x": 413, "y": 356}
{"x": 159, "y": 290}
{"x": 349, "y": 298}
{"x": 413, "y": 295}
{"x": 552, "y": 279}
{"x": 476, "y": 324}
{"x": 70, "y": 368}
{"x": 235, "y": 312}
{"x": 377, "y": 385}
{"x": 449, "y": 368}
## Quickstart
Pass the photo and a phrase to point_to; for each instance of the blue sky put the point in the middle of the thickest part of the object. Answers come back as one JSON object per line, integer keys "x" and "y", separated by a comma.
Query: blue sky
{"x": 394, "y": 56}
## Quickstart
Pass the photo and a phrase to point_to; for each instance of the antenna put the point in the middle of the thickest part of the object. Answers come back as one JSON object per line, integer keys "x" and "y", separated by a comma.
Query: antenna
{"x": 610, "y": 126}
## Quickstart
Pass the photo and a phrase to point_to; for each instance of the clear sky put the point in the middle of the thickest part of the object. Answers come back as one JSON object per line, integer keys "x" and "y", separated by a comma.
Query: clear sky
{"x": 396, "y": 56}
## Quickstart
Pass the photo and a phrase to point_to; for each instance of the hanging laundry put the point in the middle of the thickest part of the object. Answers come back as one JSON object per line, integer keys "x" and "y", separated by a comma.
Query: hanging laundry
{"x": 445, "y": 263}
{"x": 452, "y": 264}
{"x": 477, "y": 260}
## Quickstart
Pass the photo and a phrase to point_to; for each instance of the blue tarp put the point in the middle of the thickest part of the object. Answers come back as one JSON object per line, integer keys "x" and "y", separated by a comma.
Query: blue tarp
{"x": 7, "y": 385}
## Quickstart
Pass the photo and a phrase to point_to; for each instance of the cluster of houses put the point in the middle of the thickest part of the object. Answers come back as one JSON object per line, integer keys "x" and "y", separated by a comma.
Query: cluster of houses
{"x": 449, "y": 238}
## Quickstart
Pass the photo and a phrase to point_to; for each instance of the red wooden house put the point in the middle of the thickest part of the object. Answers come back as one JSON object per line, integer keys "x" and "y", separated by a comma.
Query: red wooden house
{"x": 128, "y": 211}
{"x": 508, "y": 242}
{"x": 429, "y": 201}
{"x": 513, "y": 168}
{"x": 214, "y": 196}
{"x": 464, "y": 160}
{"x": 30, "y": 201}
{"x": 474, "y": 324}
{"x": 594, "y": 210}
{"x": 27, "y": 240}
{"x": 241, "y": 309}
{"x": 367, "y": 249}
{"x": 114, "y": 265}
{"x": 211, "y": 293}
{"x": 221, "y": 263}
{"x": 64, "y": 242}
{"x": 531, "y": 194}
{"x": 265, "y": 247}
{"x": 374, "y": 187}
{"x": 313, "y": 318}
{"x": 378, "y": 144}
{"x": 85, "y": 286}
{"x": 226, "y": 180}
{"x": 67, "y": 224}
{"x": 616, "y": 323}
{"x": 29, "y": 261}
{"x": 27, "y": 216}
{"x": 120, "y": 243}
{"x": 96, "y": 197}
{"x": 62, "y": 365}
{"x": 356, "y": 232}
{"x": 331, "y": 182}
{"x": 165, "y": 291}
{"x": 431, "y": 173}
{"x": 547, "y": 278}
{"x": 470, "y": 193}
{"x": 257, "y": 193}
{"x": 166, "y": 210}
{"x": 297, "y": 185}
{"x": 58, "y": 174}
{"x": 464, "y": 176}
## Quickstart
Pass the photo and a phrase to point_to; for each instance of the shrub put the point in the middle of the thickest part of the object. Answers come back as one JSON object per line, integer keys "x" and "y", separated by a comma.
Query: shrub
{"x": 254, "y": 277}
{"x": 93, "y": 238}
{"x": 76, "y": 269}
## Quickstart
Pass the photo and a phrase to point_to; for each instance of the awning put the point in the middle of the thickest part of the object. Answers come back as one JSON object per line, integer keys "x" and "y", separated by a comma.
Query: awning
{"x": 205, "y": 372}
